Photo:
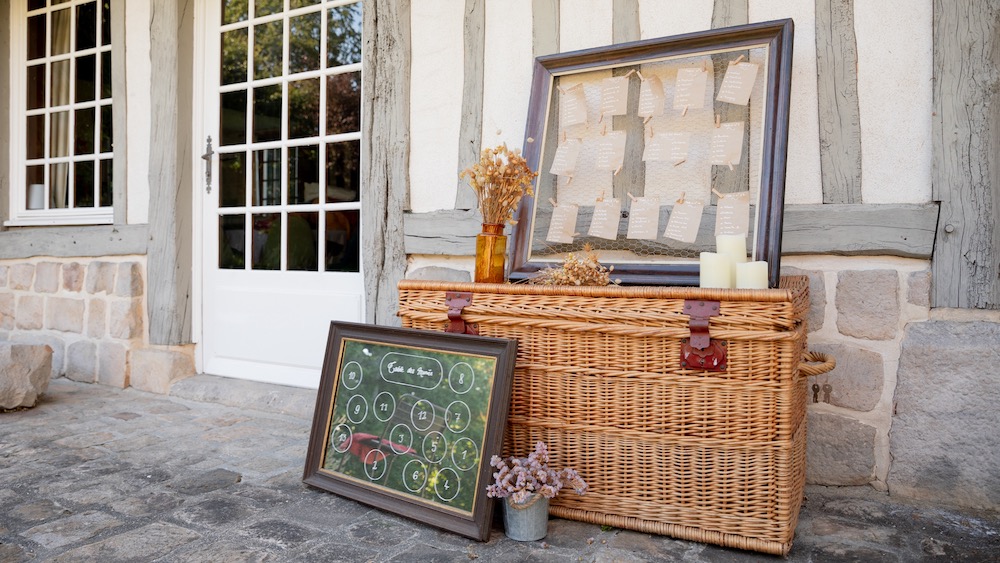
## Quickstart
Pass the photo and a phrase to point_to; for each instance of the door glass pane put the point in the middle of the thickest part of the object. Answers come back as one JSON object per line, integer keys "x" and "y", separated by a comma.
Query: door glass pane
{"x": 343, "y": 35}
{"x": 343, "y": 103}
{"x": 107, "y": 185}
{"x": 343, "y": 171}
{"x": 84, "y": 138}
{"x": 86, "y": 26}
{"x": 60, "y": 135}
{"x": 59, "y": 185}
{"x": 301, "y": 243}
{"x": 266, "y": 241}
{"x": 267, "y": 113}
{"x": 107, "y": 120}
{"x": 36, "y": 136}
{"x": 233, "y": 118}
{"x": 293, "y": 4}
{"x": 267, "y": 48}
{"x": 60, "y": 84}
{"x": 233, "y": 180}
{"x": 86, "y": 69}
{"x": 83, "y": 182}
{"x": 106, "y": 75}
{"x": 234, "y": 56}
{"x": 36, "y": 86}
{"x": 35, "y": 4}
{"x": 303, "y": 42}
{"x": 106, "y": 22}
{"x": 61, "y": 25}
{"x": 266, "y": 188}
{"x": 342, "y": 230}
{"x": 234, "y": 11}
{"x": 267, "y": 7}
{"x": 303, "y": 108}
{"x": 231, "y": 241}
{"x": 36, "y": 37}
{"x": 303, "y": 174}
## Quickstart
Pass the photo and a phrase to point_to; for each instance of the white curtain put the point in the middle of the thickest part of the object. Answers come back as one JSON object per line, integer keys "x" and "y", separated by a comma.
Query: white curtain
{"x": 59, "y": 143}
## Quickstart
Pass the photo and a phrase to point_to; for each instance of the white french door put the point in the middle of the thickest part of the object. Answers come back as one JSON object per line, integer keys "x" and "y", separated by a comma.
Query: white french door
{"x": 281, "y": 212}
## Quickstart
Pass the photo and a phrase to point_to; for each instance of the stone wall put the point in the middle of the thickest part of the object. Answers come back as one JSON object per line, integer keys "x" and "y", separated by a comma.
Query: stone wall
{"x": 90, "y": 311}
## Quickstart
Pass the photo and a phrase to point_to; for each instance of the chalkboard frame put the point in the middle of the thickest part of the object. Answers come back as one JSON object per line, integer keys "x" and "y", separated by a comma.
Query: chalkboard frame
{"x": 475, "y": 523}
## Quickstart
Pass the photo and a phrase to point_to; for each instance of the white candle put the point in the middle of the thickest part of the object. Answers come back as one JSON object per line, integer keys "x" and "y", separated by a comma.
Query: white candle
{"x": 36, "y": 196}
{"x": 734, "y": 246}
{"x": 751, "y": 275}
{"x": 716, "y": 270}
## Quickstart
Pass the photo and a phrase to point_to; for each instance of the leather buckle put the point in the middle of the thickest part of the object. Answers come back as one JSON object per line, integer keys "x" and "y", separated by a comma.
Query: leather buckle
{"x": 456, "y": 301}
{"x": 700, "y": 351}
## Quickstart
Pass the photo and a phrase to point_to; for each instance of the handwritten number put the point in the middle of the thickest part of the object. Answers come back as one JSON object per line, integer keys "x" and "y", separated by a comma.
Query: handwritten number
{"x": 416, "y": 475}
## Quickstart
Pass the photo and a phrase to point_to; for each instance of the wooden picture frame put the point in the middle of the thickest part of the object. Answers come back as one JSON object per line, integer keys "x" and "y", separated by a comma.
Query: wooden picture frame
{"x": 407, "y": 421}
{"x": 554, "y": 120}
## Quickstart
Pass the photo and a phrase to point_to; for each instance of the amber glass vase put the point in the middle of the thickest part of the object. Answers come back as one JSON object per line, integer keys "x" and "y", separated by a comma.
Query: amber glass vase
{"x": 491, "y": 251}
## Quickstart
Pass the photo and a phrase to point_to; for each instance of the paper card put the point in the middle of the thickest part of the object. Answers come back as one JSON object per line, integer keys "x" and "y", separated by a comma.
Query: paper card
{"x": 685, "y": 219}
{"x": 611, "y": 151}
{"x": 573, "y": 106}
{"x": 564, "y": 161}
{"x": 738, "y": 83}
{"x": 562, "y": 226}
{"x": 669, "y": 146}
{"x": 607, "y": 214}
{"x": 732, "y": 214}
{"x": 727, "y": 143}
{"x": 614, "y": 96}
{"x": 689, "y": 92}
{"x": 644, "y": 218}
{"x": 652, "y": 99}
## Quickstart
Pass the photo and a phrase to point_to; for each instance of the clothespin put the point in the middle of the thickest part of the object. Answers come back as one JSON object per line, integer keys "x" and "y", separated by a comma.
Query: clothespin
{"x": 685, "y": 112}
{"x": 718, "y": 120}
{"x": 604, "y": 129}
{"x": 730, "y": 165}
{"x": 619, "y": 169}
{"x": 680, "y": 200}
{"x": 630, "y": 196}
{"x": 600, "y": 198}
{"x": 645, "y": 121}
{"x": 553, "y": 202}
{"x": 737, "y": 61}
{"x": 563, "y": 140}
{"x": 704, "y": 65}
{"x": 639, "y": 74}
{"x": 650, "y": 131}
{"x": 681, "y": 161}
{"x": 717, "y": 194}
{"x": 631, "y": 72}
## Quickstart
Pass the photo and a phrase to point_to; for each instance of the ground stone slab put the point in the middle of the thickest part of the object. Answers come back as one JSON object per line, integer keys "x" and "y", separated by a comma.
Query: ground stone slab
{"x": 25, "y": 370}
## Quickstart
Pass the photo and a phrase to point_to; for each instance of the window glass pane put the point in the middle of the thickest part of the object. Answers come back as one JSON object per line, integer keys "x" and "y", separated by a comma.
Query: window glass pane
{"x": 302, "y": 3}
{"x": 303, "y": 108}
{"x": 62, "y": 22}
{"x": 301, "y": 243}
{"x": 343, "y": 35}
{"x": 35, "y": 4}
{"x": 267, "y": 113}
{"x": 234, "y": 11}
{"x": 36, "y": 86}
{"x": 303, "y": 42}
{"x": 59, "y": 136}
{"x": 233, "y": 180}
{"x": 86, "y": 69}
{"x": 266, "y": 243}
{"x": 266, "y": 7}
{"x": 267, "y": 48}
{"x": 343, "y": 103}
{"x": 106, "y": 22}
{"x": 36, "y": 136}
{"x": 266, "y": 187}
{"x": 231, "y": 241}
{"x": 59, "y": 185}
{"x": 107, "y": 120}
{"x": 84, "y": 143}
{"x": 233, "y": 118}
{"x": 343, "y": 171}
{"x": 105, "y": 75}
{"x": 83, "y": 184}
{"x": 35, "y": 184}
{"x": 36, "y": 37}
{"x": 107, "y": 186}
{"x": 342, "y": 240}
{"x": 303, "y": 174}
{"x": 86, "y": 26}
{"x": 234, "y": 56}
{"x": 60, "y": 84}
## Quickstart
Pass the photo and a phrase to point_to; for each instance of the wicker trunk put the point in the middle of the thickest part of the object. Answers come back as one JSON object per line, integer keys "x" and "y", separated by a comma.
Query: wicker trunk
{"x": 716, "y": 457}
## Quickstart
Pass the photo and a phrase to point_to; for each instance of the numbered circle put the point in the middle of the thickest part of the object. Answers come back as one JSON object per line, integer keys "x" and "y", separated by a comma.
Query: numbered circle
{"x": 383, "y": 406}
{"x": 461, "y": 377}
{"x": 401, "y": 439}
{"x": 414, "y": 475}
{"x": 458, "y": 416}
{"x": 341, "y": 438}
{"x": 352, "y": 375}
{"x": 447, "y": 485}
{"x": 435, "y": 447}
{"x": 357, "y": 409}
{"x": 465, "y": 455}
{"x": 375, "y": 464}
{"x": 422, "y": 415}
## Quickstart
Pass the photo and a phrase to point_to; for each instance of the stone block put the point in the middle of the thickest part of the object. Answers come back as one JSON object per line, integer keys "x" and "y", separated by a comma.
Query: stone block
{"x": 112, "y": 364}
{"x": 6, "y": 311}
{"x": 29, "y": 312}
{"x": 4, "y": 270}
{"x": 817, "y": 295}
{"x": 840, "y": 450}
{"x": 918, "y": 288}
{"x": 129, "y": 282}
{"x": 25, "y": 371}
{"x": 97, "y": 318}
{"x": 52, "y": 341}
{"x": 944, "y": 440}
{"x": 21, "y": 276}
{"x": 65, "y": 314}
{"x": 72, "y": 276}
{"x": 126, "y": 318}
{"x": 439, "y": 273}
{"x": 47, "y": 277}
{"x": 101, "y": 277}
{"x": 857, "y": 380}
{"x": 81, "y": 361}
{"x": 868, "y": 304}
{"x": 156, "y": 370}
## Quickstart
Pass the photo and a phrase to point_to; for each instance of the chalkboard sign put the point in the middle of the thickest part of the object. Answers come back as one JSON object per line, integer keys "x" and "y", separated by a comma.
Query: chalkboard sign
{"x": 407, "y": 421}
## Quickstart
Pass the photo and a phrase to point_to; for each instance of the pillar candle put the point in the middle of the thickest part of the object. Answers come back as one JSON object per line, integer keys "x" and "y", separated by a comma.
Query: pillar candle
{"x": 716, "y": 270}
{"x": 36, "y": 196}
{"x": 734, "y": 246}
{"x": 751, "y": 275}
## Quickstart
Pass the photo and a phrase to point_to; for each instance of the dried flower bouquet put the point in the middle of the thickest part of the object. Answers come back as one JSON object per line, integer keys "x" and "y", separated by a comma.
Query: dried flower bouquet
{"x": 520, "y": 477}
{"x": 500, "y": 179}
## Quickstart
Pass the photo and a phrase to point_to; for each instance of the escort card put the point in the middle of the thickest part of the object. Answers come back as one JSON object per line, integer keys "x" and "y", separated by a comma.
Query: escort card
{"x": 562, "y": 226}
{"x": 573, "y": 106}
{"x": 614, "y": 96}
{"x": 607, "y": 214}
{"x": 644, "y": 218}
{"x": 611, "y": 151}
{"x": 671, "y": 146}
{"x": 685, "y": 219}
{"x": 727, "y": 143}
{"x": 564, "y": 161}
{"x": 689, "y": 92}
{"x": 732, "y": 214}
{"x": 738, "y": 83}
{"x": 652, "y": 99}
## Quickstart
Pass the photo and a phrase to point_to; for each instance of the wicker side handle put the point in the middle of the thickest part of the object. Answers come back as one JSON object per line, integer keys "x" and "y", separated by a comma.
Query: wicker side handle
{"x": 826, "y": 364}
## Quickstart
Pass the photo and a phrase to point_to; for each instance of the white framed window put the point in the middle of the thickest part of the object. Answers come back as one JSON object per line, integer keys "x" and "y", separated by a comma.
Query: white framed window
{"x": 61, "y": 121}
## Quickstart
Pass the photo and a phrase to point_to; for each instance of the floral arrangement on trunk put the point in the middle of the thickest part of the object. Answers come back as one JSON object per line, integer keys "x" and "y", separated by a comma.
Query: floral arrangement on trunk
{"x": 500, "y": 179}
{"x": 521, "y": 477}
{"x": 576, "y": 270}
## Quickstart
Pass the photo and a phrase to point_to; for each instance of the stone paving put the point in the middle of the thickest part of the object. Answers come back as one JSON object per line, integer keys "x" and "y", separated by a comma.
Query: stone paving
{"x": 98, "y": 474}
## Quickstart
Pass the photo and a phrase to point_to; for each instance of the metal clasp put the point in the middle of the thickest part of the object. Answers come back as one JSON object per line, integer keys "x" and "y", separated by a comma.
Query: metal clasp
{"x": 456, "y": 301}
{"x": 700, "y": 351}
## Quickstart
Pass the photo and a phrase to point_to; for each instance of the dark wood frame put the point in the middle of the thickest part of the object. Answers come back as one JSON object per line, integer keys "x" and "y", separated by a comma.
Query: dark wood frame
{"x": 475, "y": 524}
{"x": 776, "y": 35}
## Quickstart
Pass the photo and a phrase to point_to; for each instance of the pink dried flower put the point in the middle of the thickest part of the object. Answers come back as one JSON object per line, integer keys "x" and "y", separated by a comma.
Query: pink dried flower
{"x": 519, "y": 477}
